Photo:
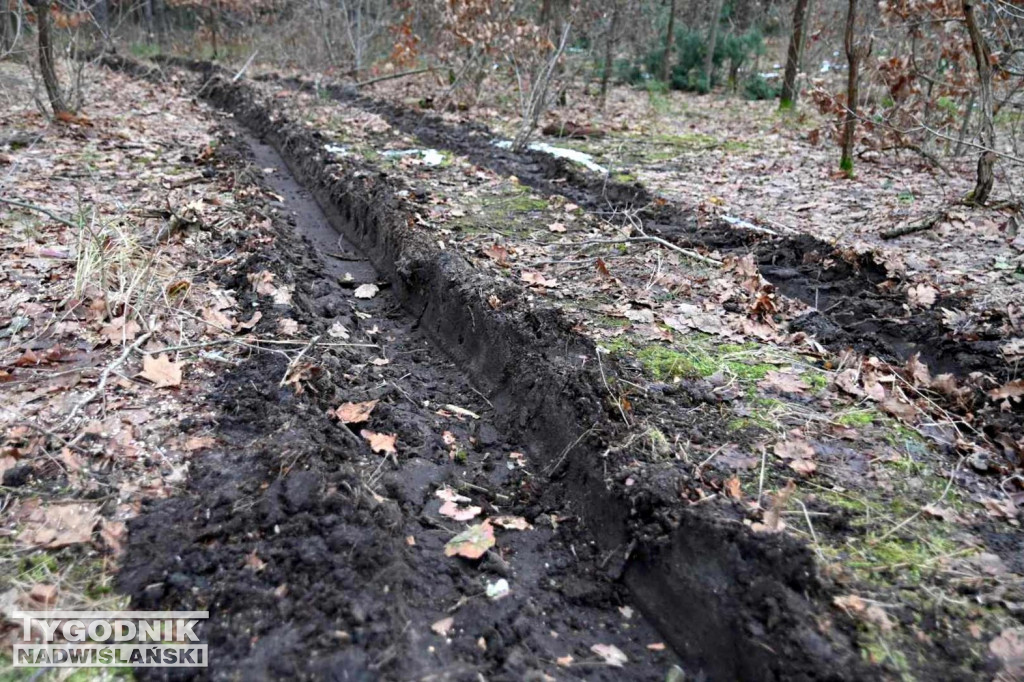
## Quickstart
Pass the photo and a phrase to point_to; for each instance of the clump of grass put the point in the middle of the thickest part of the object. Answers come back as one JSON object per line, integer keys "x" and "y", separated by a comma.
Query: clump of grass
{"x": 702, "y": 358}
{"x": 113, "y": 264}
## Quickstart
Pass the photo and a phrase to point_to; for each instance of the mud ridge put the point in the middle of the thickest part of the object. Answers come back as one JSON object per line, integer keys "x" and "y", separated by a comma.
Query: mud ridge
{"x": 732, "y": 604}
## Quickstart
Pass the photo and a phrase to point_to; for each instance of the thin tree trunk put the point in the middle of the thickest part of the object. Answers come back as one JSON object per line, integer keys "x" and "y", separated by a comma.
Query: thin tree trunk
{"x": 793, "y": 55}
{"x": 8, "y": 31}
{"x": 709, "y": 58}
{"x": 959, "y": 149}
{"x": 853, "y": 60}
{"x": 609, "y": 50}
{"x": 213, "y": 29}
{"x": 101, "y": 15}
{"x": 147, "y": 14}
{"x": 46, "y": 63}
{"x": 987, "y": 160}
{"x": 326, "y": 23}
{"x": 666, "y": 62}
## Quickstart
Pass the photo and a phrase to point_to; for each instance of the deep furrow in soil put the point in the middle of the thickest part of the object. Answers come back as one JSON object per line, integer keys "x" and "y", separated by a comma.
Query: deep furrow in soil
{"x": 854, "y": 301}
{"x": 317, "y": 558}
{"x": 848, "y": 308}
{"x": 733, "y": 605}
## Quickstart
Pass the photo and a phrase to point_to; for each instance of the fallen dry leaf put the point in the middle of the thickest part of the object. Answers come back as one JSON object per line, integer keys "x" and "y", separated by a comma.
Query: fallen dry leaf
{"x": 60, "y": 525}
{"x": 161, "y": 371}
{"x": 858, "y": 607}
{"x": 113, "y": 533}
{"x": 499, "y": 254}
{"x": 443, "y": 626}
{"x": 610, "y": 654}
{"x": 120, "y": 331}
{"x": 538, "y": 279}
{"x": 922, "y": 295}
{"x": 783, "y": 382}
{"x": 44, "y": 595}
{"x": 510, "y": 522}
{"x": 355, "y": 413}
{"x": 773, "y": 522}
{"x": 449, "y": 495}
{"x": 794, "y": 448}
{"x": 252, "y": 561}
{"x": 732, "y": 486}
{"x": 1008, "y": 647}
{"x": 453, "y": 511}
{"x": 380, "y": 442}
{"x": 251, "y": 322}
{"x": 366, "y": 291}
{"x": 1011, "y": 391}
{"x": 287, "y": 326}
{"x": 199, "y": 443}
{"x": 472, "y": 542}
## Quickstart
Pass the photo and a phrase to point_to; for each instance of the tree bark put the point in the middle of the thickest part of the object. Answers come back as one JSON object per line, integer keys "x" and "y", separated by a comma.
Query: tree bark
{"x": 609, "y": 51}
{"x": 852, "y": 82}
{"x": 709, "y": 58}
{"x": 666, "y": 62}
{"x": 987, "y": 160}
{"x": 101, "y": 15}
{"x": 213, "y": 29}
{"x": 46, "y": 63}
{"x": 793, "y": 55}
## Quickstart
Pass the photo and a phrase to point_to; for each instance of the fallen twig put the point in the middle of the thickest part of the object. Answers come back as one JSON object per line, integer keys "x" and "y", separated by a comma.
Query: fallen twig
{"x": 245, "y": 66}
{"x": 295, "y": 360}
{"x": 392, "y": 76}
{"x": 926, "y": 224}
{"x": 39, "y": 209}
{"x": 101, "y": 385}
{"x": 707, "y": 260}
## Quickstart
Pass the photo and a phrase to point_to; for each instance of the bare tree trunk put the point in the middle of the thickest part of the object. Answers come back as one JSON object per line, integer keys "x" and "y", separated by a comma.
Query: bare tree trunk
{"x": 609, "y": 50}
{"x": 852, "y": 81}
{"x": 986, "y": 162}
{"x": 147, "y": 14}
{"x": 666, "y": 62}
{"x": 709, "y": 58}
{"x": 101, "y": 15}
{"x": 10, "y": 28}
{"x": 326, "y": 23}
{"x": 534, "y": 98}
{"x": 46, "y": 64}
{"x": 793, "y": 55}
{"x": 213, "y": 29}
{"x": 968, "y": 112}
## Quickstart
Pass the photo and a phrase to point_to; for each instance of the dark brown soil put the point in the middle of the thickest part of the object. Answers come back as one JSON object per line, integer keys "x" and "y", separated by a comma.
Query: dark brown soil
{"x": 292, "y": 487}
{"x": 342, "y": 593}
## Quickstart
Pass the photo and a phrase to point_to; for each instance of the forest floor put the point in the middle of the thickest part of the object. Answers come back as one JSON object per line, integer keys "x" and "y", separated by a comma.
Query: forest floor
{"x": 200, "y": 355}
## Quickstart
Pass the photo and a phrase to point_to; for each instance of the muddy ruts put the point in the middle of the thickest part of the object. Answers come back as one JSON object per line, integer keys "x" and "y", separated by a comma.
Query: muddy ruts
{"x": 849, "y": 309}
{"x": 736, "y": 605}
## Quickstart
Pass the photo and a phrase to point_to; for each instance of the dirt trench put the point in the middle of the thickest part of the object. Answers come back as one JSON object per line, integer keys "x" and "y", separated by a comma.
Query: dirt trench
{"x": 855, "y": 303}
{"x": 289, "y": 485}
{"x": 849, "y": 309}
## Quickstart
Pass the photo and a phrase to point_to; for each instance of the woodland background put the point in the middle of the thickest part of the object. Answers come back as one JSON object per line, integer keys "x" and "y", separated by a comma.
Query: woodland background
{"x": 940, "y": 78}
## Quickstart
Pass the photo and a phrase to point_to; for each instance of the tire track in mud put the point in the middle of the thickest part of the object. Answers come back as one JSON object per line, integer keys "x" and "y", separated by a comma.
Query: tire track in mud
{"x": 849, "y": 309}
{"x": 297, "y": 538}
{"x": 854, "y": 302}
{"x": 732, "y": 604}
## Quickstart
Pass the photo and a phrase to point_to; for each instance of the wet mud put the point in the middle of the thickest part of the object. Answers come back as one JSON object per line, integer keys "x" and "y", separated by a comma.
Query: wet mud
{"x": 293, "y": 515}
